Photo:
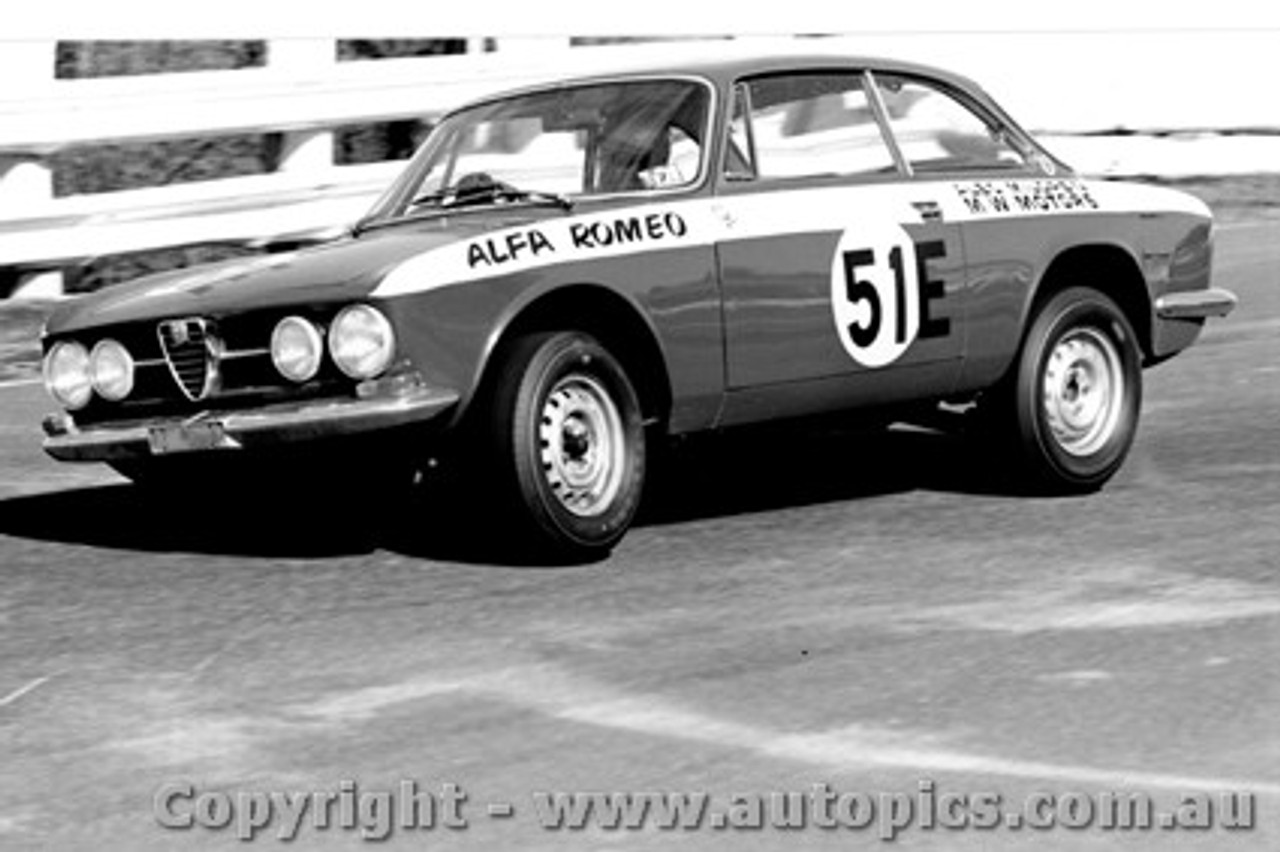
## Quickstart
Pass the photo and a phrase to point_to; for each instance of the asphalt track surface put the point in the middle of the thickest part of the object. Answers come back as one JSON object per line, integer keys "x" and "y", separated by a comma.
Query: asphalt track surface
{"x": 796, "y": 609}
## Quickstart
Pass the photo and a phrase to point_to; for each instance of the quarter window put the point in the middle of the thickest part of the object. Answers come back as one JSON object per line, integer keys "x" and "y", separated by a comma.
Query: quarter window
{"x": 806, "y": 125}
{"x": 937, "y": 133}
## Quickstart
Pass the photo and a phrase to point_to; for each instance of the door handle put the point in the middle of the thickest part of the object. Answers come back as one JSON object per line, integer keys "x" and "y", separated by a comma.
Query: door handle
{"x": 929, "y": 210}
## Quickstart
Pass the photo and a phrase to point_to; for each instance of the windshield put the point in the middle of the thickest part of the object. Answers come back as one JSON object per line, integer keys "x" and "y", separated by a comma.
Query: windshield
{"x": 556, "y": 145}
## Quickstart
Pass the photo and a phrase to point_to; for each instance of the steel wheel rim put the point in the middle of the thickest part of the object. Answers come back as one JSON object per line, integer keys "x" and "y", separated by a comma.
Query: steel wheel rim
{"x": 581, "y": 445}
{"x": 1083, "y": 391}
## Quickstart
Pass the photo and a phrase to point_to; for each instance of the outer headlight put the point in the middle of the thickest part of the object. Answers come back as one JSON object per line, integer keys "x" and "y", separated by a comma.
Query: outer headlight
{"x": 361, "y": 341}
{"x": 296, "y": 349}
{"x": 111, "y": 370}
{"x": 66, "y": 374}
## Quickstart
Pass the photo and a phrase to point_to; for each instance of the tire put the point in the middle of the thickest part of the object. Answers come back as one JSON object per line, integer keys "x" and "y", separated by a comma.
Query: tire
{"x": 1076, "y": 393}
{"x": 568, "y": 443}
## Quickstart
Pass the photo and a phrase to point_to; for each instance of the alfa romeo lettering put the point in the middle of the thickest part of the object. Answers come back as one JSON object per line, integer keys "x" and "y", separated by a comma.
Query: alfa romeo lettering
{"x": 533, "y": 243}
{"x": 516, "y": 244}
{"x": 881, "y": 296}
{"x": 632, "y": 229}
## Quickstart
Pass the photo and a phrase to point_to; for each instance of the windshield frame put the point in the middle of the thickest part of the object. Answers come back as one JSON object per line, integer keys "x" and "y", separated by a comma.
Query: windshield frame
{"x": 395, "y": 201}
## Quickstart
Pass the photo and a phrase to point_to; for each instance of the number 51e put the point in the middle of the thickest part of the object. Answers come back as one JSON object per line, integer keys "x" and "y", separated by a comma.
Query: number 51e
{"x": 867, "y": 329}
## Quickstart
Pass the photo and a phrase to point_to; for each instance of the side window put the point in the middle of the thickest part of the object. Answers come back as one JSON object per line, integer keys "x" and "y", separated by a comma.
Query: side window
{"x": 672, "y": 160}
{"x": 937, "y": 133}
{"x": 805, "y": 125}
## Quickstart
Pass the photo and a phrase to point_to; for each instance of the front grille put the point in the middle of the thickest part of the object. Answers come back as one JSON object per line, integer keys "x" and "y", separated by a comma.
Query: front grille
{"x": 190, "y": 351}
{"x": 223, "y": 364}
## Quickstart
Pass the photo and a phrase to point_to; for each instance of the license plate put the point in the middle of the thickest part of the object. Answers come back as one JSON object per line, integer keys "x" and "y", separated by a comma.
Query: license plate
{"x": 188, "y": 437}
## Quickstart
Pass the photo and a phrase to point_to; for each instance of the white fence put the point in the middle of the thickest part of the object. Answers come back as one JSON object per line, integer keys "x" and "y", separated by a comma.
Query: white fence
{"x": 302, "y": 93}
{"x": 1064, "y": 85}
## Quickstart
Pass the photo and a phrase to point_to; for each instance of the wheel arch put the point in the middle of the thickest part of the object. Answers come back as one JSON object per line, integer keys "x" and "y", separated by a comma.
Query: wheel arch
{"x": 617, "y": 322}
{"x": 1110, "y": 269}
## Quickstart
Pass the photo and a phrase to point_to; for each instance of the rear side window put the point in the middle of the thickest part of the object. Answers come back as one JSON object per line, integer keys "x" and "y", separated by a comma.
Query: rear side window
{"x": 805, "y": 125}
{"x": 936, "y": 132}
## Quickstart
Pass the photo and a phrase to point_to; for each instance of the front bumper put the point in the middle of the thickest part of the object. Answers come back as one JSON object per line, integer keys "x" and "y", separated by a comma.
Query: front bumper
{"x": 1196, "y": 304}
{"x": 216, "y": 432}
{"x": 1179, "y": 317}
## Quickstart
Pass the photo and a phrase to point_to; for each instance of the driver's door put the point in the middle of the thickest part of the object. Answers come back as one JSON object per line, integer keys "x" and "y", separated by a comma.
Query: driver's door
{"x": 842, "y": 284}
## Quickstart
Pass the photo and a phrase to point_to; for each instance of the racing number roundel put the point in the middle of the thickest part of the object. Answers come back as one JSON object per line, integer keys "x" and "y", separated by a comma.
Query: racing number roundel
{"x": 874, "y": 293}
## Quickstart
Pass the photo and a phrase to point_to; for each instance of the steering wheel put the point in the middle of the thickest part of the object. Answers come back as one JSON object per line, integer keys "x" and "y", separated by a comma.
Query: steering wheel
{"x": 474, "y": 184}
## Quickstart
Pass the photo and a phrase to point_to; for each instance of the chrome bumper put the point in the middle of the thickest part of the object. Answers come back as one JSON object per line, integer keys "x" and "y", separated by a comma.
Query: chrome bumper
{"x": 1195, "y": 304}
{"x": 213, "y": 432}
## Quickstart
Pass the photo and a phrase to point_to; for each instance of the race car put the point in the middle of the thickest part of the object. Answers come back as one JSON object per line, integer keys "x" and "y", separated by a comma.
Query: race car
{"x": 565, "y": 275}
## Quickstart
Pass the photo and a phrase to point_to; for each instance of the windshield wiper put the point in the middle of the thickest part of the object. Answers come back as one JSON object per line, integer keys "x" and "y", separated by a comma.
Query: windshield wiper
{"x": 537, "y": 196}
{"x": 488, "y": 193}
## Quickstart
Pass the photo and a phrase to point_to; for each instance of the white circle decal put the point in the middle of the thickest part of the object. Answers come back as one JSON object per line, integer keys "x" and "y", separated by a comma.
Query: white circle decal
{"x": 875, "y": 293}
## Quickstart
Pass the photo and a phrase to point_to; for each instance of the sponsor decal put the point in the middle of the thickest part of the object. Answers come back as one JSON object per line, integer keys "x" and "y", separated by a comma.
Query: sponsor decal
{"x": 1022, "y": 197}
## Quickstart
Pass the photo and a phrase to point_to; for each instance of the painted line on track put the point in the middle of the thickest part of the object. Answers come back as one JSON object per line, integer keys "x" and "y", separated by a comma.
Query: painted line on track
{"x": 856, "y": 748}
{"x": 553, "y": 692}
{"x": 20, "y": 383}
{"x": 23, "y": 690}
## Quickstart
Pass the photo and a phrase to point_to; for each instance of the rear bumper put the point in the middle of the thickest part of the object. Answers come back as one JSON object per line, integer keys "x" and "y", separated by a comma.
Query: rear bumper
{"x": 1195, "y": 304}
{"x": 219, "y": 432}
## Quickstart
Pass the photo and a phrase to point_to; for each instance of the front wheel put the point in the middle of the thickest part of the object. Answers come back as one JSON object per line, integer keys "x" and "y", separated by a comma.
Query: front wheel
{"x": 567, "y": 435}
{"x": 1077, "y": 391}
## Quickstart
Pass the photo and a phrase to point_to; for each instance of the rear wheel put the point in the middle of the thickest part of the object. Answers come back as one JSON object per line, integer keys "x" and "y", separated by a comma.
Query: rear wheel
{"x": 568, "y": 441}
{"x": 1076, "y": 392}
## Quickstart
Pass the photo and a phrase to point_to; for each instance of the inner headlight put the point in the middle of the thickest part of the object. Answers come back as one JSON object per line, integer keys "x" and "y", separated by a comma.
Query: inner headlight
{"x": 66, "y": 374}
{"x": 361, "y": 341}
{"x": 111, "y": 370}
{"x": 296, "y": 349}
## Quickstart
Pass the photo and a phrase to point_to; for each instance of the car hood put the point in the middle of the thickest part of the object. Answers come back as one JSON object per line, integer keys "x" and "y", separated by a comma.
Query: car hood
{"x": 345, "y": 269}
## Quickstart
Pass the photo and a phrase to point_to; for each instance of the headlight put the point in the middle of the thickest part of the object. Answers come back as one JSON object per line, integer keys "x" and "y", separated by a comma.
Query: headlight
{"x": 66, "y": 374}
{"x": 111, "y": 370}
{"x": 361, "y": 342}
{"x": 296, "y": 349}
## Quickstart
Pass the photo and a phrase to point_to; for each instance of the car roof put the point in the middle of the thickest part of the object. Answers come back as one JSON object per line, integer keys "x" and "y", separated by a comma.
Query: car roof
{"x": 731, "y": 66}
{"x": 723, "y": 62}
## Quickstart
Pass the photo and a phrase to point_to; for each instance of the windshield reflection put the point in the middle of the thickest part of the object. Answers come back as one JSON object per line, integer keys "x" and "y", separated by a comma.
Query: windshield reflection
{"x": 554, "y": 146}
